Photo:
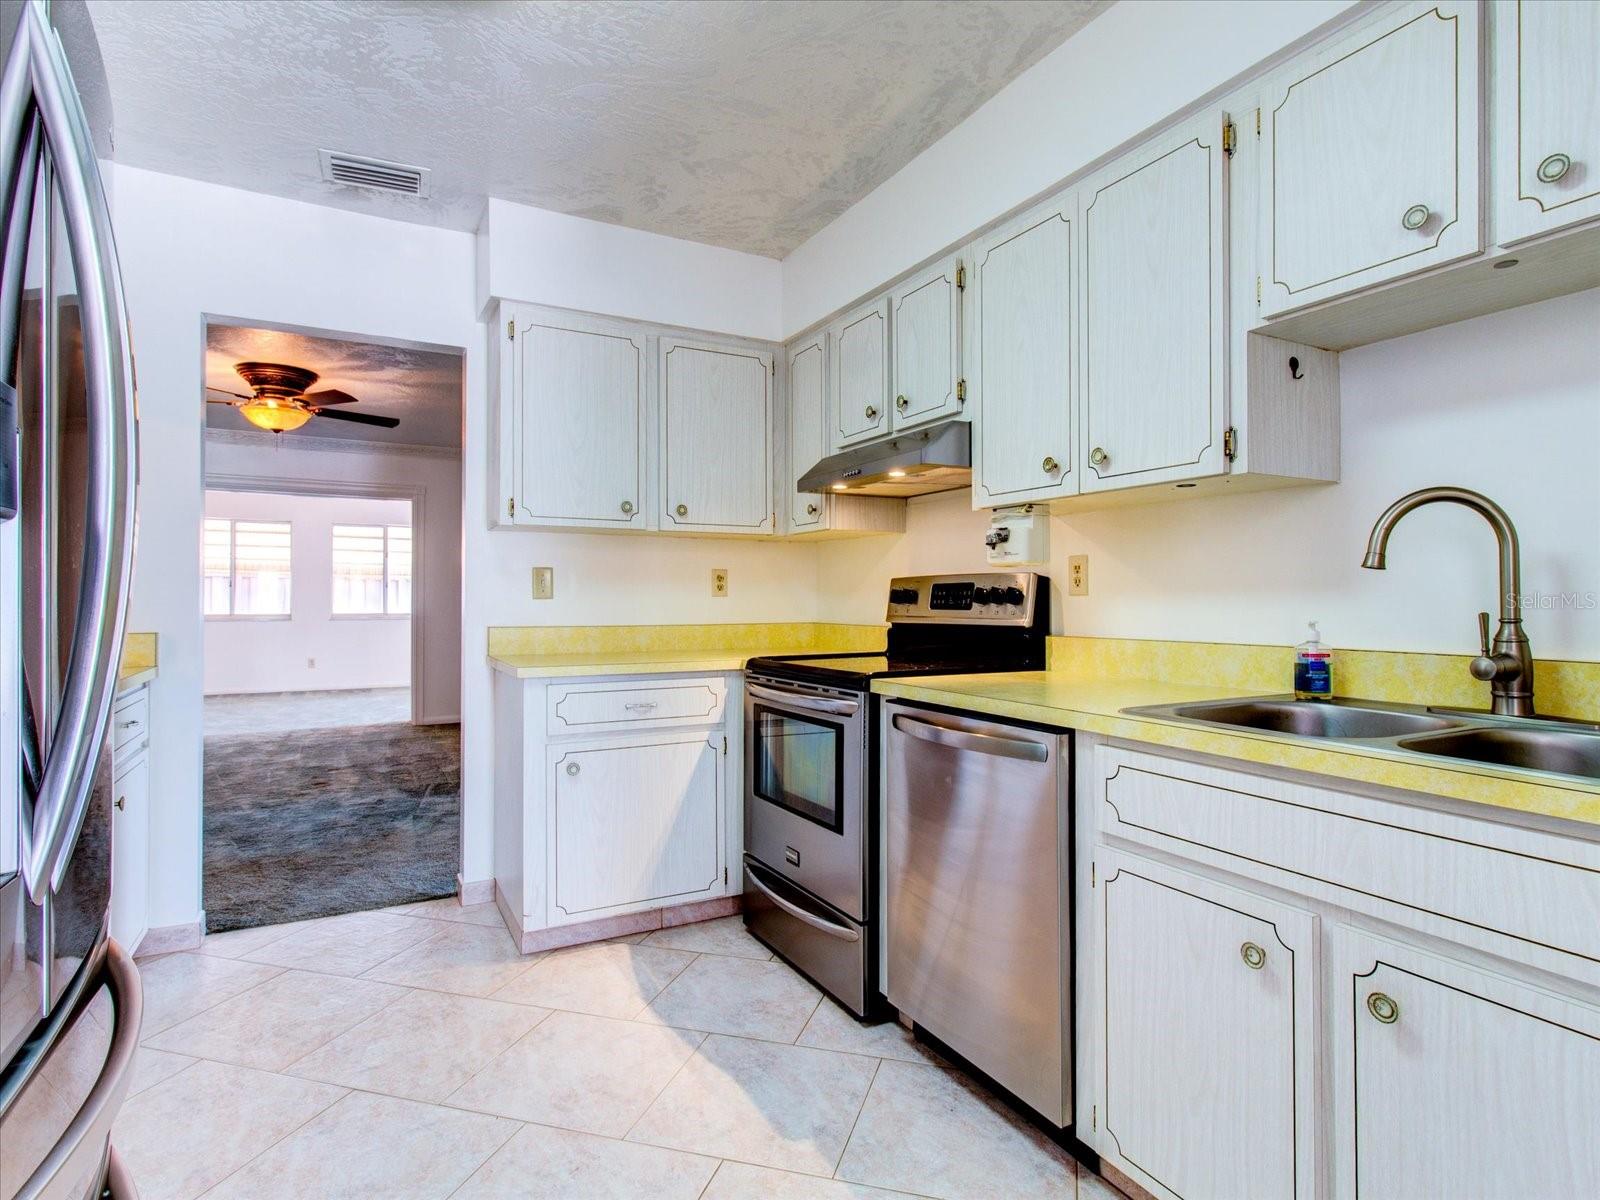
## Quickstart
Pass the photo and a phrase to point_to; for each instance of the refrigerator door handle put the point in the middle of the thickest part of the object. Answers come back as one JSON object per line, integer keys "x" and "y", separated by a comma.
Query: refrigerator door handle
{"x": 19, "y": 219}
{"x": 90, "y": 677}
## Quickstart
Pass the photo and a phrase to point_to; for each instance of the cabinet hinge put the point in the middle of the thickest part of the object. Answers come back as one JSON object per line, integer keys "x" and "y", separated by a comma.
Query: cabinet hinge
{"x": 511, "y": 330}
{"x": 1093, "y": 872}
{"x": 1230, "y": 138}
{"x": 1258, "y": 122}
{"x": 1094, "y": 1116}
{"x": 1230, "y": 443}
{"x": 511, "y": 506}
{"x": 961, "y": 277}
{"x": 1258, "y": 289}
{"x": 724, "y": 745}
{"x": 961, "y": 391}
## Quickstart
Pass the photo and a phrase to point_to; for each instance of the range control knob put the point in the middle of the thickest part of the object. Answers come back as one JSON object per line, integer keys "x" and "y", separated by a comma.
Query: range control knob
{"x": 1013, "y": 595}
{"x": 902, "y": 595}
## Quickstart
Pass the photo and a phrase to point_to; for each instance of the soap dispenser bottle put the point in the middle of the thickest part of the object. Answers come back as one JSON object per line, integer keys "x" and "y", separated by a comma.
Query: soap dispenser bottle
{"x": 1313, "y": 668}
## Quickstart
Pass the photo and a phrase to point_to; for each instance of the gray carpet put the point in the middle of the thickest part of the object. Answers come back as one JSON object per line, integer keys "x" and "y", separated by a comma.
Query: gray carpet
{"x": 328, "y": 821}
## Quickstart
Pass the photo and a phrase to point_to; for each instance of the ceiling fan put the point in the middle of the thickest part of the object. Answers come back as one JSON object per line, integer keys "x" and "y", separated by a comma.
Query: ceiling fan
{"x": 279, "y": 401}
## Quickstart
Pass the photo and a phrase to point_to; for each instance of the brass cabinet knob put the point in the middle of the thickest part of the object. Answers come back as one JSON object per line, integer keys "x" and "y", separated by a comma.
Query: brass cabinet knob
{"x": 1553, "y": 168}
{"x": 572, "y": 768}
{"x": 122, "y": 802}
{"x": 682, "y": 510}
{"x": 627, "y": 506}
{"x": 1254, "y": 956}
{"x": 900, "y": 402}
{"x": 872, "y": 413}
{"x": 812, "y": 510}
{"x": 1383, "y": 1008}
{"x": 1050, "y": 465}
{"x": 1098, "y": 457}
{"x": 1416, "y": 216}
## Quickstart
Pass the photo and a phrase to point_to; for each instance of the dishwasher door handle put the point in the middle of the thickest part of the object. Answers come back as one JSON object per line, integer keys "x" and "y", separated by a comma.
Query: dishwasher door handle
{"x": 980, "y": 743}
{"x": 843, "y": 932}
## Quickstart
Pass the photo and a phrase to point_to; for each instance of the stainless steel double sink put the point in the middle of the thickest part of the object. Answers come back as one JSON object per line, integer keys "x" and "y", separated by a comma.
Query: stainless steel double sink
{"x": 1550, "y": 745}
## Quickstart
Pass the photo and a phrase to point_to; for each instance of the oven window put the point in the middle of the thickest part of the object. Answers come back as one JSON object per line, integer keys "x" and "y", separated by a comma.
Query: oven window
{"x": 799, "y": 765}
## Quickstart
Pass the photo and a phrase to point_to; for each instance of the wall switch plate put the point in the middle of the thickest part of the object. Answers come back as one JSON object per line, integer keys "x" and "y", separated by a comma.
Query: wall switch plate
{"x": 544, "y": 583}
{"x": 719, "y": 581}
{"x": 1078, "y": 575}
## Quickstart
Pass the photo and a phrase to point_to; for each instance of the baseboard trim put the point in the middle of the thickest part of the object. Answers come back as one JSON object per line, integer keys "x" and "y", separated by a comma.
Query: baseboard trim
{"x": 169, "y": 939}
{"x": 557, "y": 937}
{"x": 477, "y": 891}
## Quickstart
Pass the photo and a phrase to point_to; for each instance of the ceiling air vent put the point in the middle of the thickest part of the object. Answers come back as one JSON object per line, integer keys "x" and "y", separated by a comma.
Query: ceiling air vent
{"x": 373, "y": 173}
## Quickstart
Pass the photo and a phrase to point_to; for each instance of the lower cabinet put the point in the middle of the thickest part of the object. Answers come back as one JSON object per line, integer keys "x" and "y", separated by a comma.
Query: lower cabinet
{"x": 1208, "y": 1051}
{"x": 130, "y": 818}
{"x": 635, "y": 825}
{"x": 1451, "y": 1081}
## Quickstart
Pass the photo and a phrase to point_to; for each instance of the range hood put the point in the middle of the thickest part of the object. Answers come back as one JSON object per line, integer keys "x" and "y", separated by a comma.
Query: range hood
{"x": 935, "y": 459}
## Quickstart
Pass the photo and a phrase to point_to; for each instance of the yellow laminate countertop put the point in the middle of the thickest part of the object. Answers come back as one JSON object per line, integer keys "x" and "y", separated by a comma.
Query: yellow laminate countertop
{"x": 1070, "y": 701}
{"x": 625, "y": 662}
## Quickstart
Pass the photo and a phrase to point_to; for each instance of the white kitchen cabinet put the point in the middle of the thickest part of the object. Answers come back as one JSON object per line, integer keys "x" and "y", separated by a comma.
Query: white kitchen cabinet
{"x": 1208, "y": 1053}
{"x": 1155, "y": 329}
{"x": 1547, "y": 116}
{"x": 635, "y": 824}
{"x": 716, "y": 437}
{"x": 130, "y": 817}
{"x": 1371, "y": 156}
{"x": 859, "y": 367}
{"x": 925, "y": 344}
{"x": 575, "y": 419}
{"x": 1454, "y": 1081}
{"x": 1022, "y": 348}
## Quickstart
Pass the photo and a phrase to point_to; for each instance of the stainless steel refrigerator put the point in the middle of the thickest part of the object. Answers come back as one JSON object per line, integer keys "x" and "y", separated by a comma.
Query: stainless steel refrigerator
{"x": 69, "y": 996}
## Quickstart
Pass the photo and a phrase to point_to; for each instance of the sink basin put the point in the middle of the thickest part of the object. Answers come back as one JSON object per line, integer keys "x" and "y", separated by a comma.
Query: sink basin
{"x": 1556, "y": 750}
{"x": 1314, "y": 718}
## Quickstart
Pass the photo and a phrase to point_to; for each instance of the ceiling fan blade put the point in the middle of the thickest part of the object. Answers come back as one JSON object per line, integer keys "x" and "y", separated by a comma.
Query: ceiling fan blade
{"x": 229, "y": 403}
{"x": 225, "y": 392}
{"x": 331, "y": 396}
{"x": 336, "y": 414}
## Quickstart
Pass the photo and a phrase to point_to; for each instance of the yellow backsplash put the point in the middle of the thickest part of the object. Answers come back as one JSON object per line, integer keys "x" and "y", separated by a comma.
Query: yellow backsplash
{"x": 773, "y": 637}
{"x": 1562, "y": 688}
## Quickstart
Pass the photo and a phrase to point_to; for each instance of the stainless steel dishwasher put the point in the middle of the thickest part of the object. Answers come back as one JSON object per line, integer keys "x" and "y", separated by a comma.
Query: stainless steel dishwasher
{"x": 978, "y": 880}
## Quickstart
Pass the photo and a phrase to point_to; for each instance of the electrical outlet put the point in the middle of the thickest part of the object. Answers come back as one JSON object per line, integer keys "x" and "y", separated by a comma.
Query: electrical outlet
{"x": 1078, "y": 575}
{"x": 544, "y": 583}
{"x": 719, "y": 581}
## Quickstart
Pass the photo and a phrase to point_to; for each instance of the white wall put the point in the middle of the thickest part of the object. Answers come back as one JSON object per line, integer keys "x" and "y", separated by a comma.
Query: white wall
{"x": 311, "y": 649}
{"x": 1508, "y": 404}
{"x": 1128, "y": 70}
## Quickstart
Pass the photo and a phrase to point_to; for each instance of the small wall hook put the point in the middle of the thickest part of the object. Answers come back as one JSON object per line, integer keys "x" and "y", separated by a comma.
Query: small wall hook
{"x": 1294, "y": 368}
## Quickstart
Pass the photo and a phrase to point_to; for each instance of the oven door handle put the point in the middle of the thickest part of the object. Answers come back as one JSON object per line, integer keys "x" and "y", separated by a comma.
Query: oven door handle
{"x": 981, "y": 743}
{"x": 843, "y": 932}
{"x": 842, "y": 708}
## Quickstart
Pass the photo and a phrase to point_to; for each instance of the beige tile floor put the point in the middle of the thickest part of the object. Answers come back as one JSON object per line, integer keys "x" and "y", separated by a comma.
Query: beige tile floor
{"x": 415, "y": 1053}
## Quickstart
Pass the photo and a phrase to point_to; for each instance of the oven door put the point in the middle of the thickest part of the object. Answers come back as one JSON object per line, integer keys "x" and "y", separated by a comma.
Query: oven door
{"x": 805, "y": 776}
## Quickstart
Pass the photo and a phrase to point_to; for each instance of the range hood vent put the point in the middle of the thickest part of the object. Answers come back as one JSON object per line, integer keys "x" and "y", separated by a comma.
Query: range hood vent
{"x": 935, "y": 459}
{"x": 373, "y": 173}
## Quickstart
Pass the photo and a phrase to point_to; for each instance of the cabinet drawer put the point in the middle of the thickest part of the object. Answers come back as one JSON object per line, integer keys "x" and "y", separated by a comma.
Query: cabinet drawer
{"x": 1368, "y": 854}
{"x": 130, "y": 720}
{"x": 598, "y": 707}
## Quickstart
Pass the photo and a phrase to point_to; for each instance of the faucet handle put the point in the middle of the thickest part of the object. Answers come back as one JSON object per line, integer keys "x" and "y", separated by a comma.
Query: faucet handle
{"x": 1483, "y": 634}
{"x": 1488, "y": 666}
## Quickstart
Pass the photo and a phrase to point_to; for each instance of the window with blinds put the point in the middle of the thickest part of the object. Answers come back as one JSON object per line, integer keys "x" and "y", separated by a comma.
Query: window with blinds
{"x": 371, "y": 570}
{"x": 245, "y": 568}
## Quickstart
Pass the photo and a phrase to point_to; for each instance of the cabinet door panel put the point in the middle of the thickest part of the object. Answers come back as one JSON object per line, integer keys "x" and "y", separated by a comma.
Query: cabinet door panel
{"x": 1547, "y": 105}
{"x": 1208, "y": 1034}
{"x": 1479, "y": 1087}
{"x": 860, "y": 367}
{"x": 1154, "y": 315}
{"x": 808, "y": 427}
{"x": 579, "y": 421}
{"x": 925, "y": 337}
{"x": 716, "y": 438}
{"x": 634, "y": 826}
{"x": 130, "y": 854}
{"x": 1022, "y": 360}
{"x": 1371, "y": 159}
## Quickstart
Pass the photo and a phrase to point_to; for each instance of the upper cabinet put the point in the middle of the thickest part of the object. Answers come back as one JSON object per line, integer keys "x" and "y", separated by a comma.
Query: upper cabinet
{"x": 1371, "y": 157}
{"x": 925, "y": 336}
{"x": 1155, "y": 328}
{"x": 1022, "y": 353}
{"x": 808, "y": 426}
{"x": 574, "y": 433}
{"x": 716, "y": 437}
{"x": 860, "y": 342}
{"x": 1547, "y": 116}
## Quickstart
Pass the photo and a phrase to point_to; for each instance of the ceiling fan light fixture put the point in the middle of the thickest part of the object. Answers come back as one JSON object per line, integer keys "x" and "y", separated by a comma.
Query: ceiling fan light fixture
{"x": 275, "y": 416}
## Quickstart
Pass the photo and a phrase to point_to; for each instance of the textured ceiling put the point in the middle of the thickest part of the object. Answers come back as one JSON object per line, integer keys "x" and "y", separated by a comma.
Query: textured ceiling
{"x": 420, "y": 387}
{"x": 743, "y": 123}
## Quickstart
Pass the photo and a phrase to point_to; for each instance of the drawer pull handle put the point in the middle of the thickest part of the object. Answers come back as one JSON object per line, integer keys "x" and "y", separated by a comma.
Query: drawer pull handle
{"x": 1254, "y": 956}
{"x": 1416, "y": 216}
{"x": 572, "y": 768}
{"x": 640, "y": 705}
{"x": 1384, "y": 1009}
{"x": 1554, "y": 168}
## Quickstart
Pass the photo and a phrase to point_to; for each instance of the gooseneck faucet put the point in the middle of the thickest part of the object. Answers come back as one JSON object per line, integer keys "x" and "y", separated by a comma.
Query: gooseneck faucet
{"x": 1507, "y": 665}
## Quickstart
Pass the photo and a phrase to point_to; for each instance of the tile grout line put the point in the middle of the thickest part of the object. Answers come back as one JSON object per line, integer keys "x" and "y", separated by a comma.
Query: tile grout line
{"x": 860, "y": 1108}
{"x": 310, "y": 1117}
{"x": 445, "y": 1101}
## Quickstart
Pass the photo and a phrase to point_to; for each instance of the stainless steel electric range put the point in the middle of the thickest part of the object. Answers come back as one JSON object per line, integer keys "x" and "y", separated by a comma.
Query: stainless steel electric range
{"x": 811, "y": 766}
